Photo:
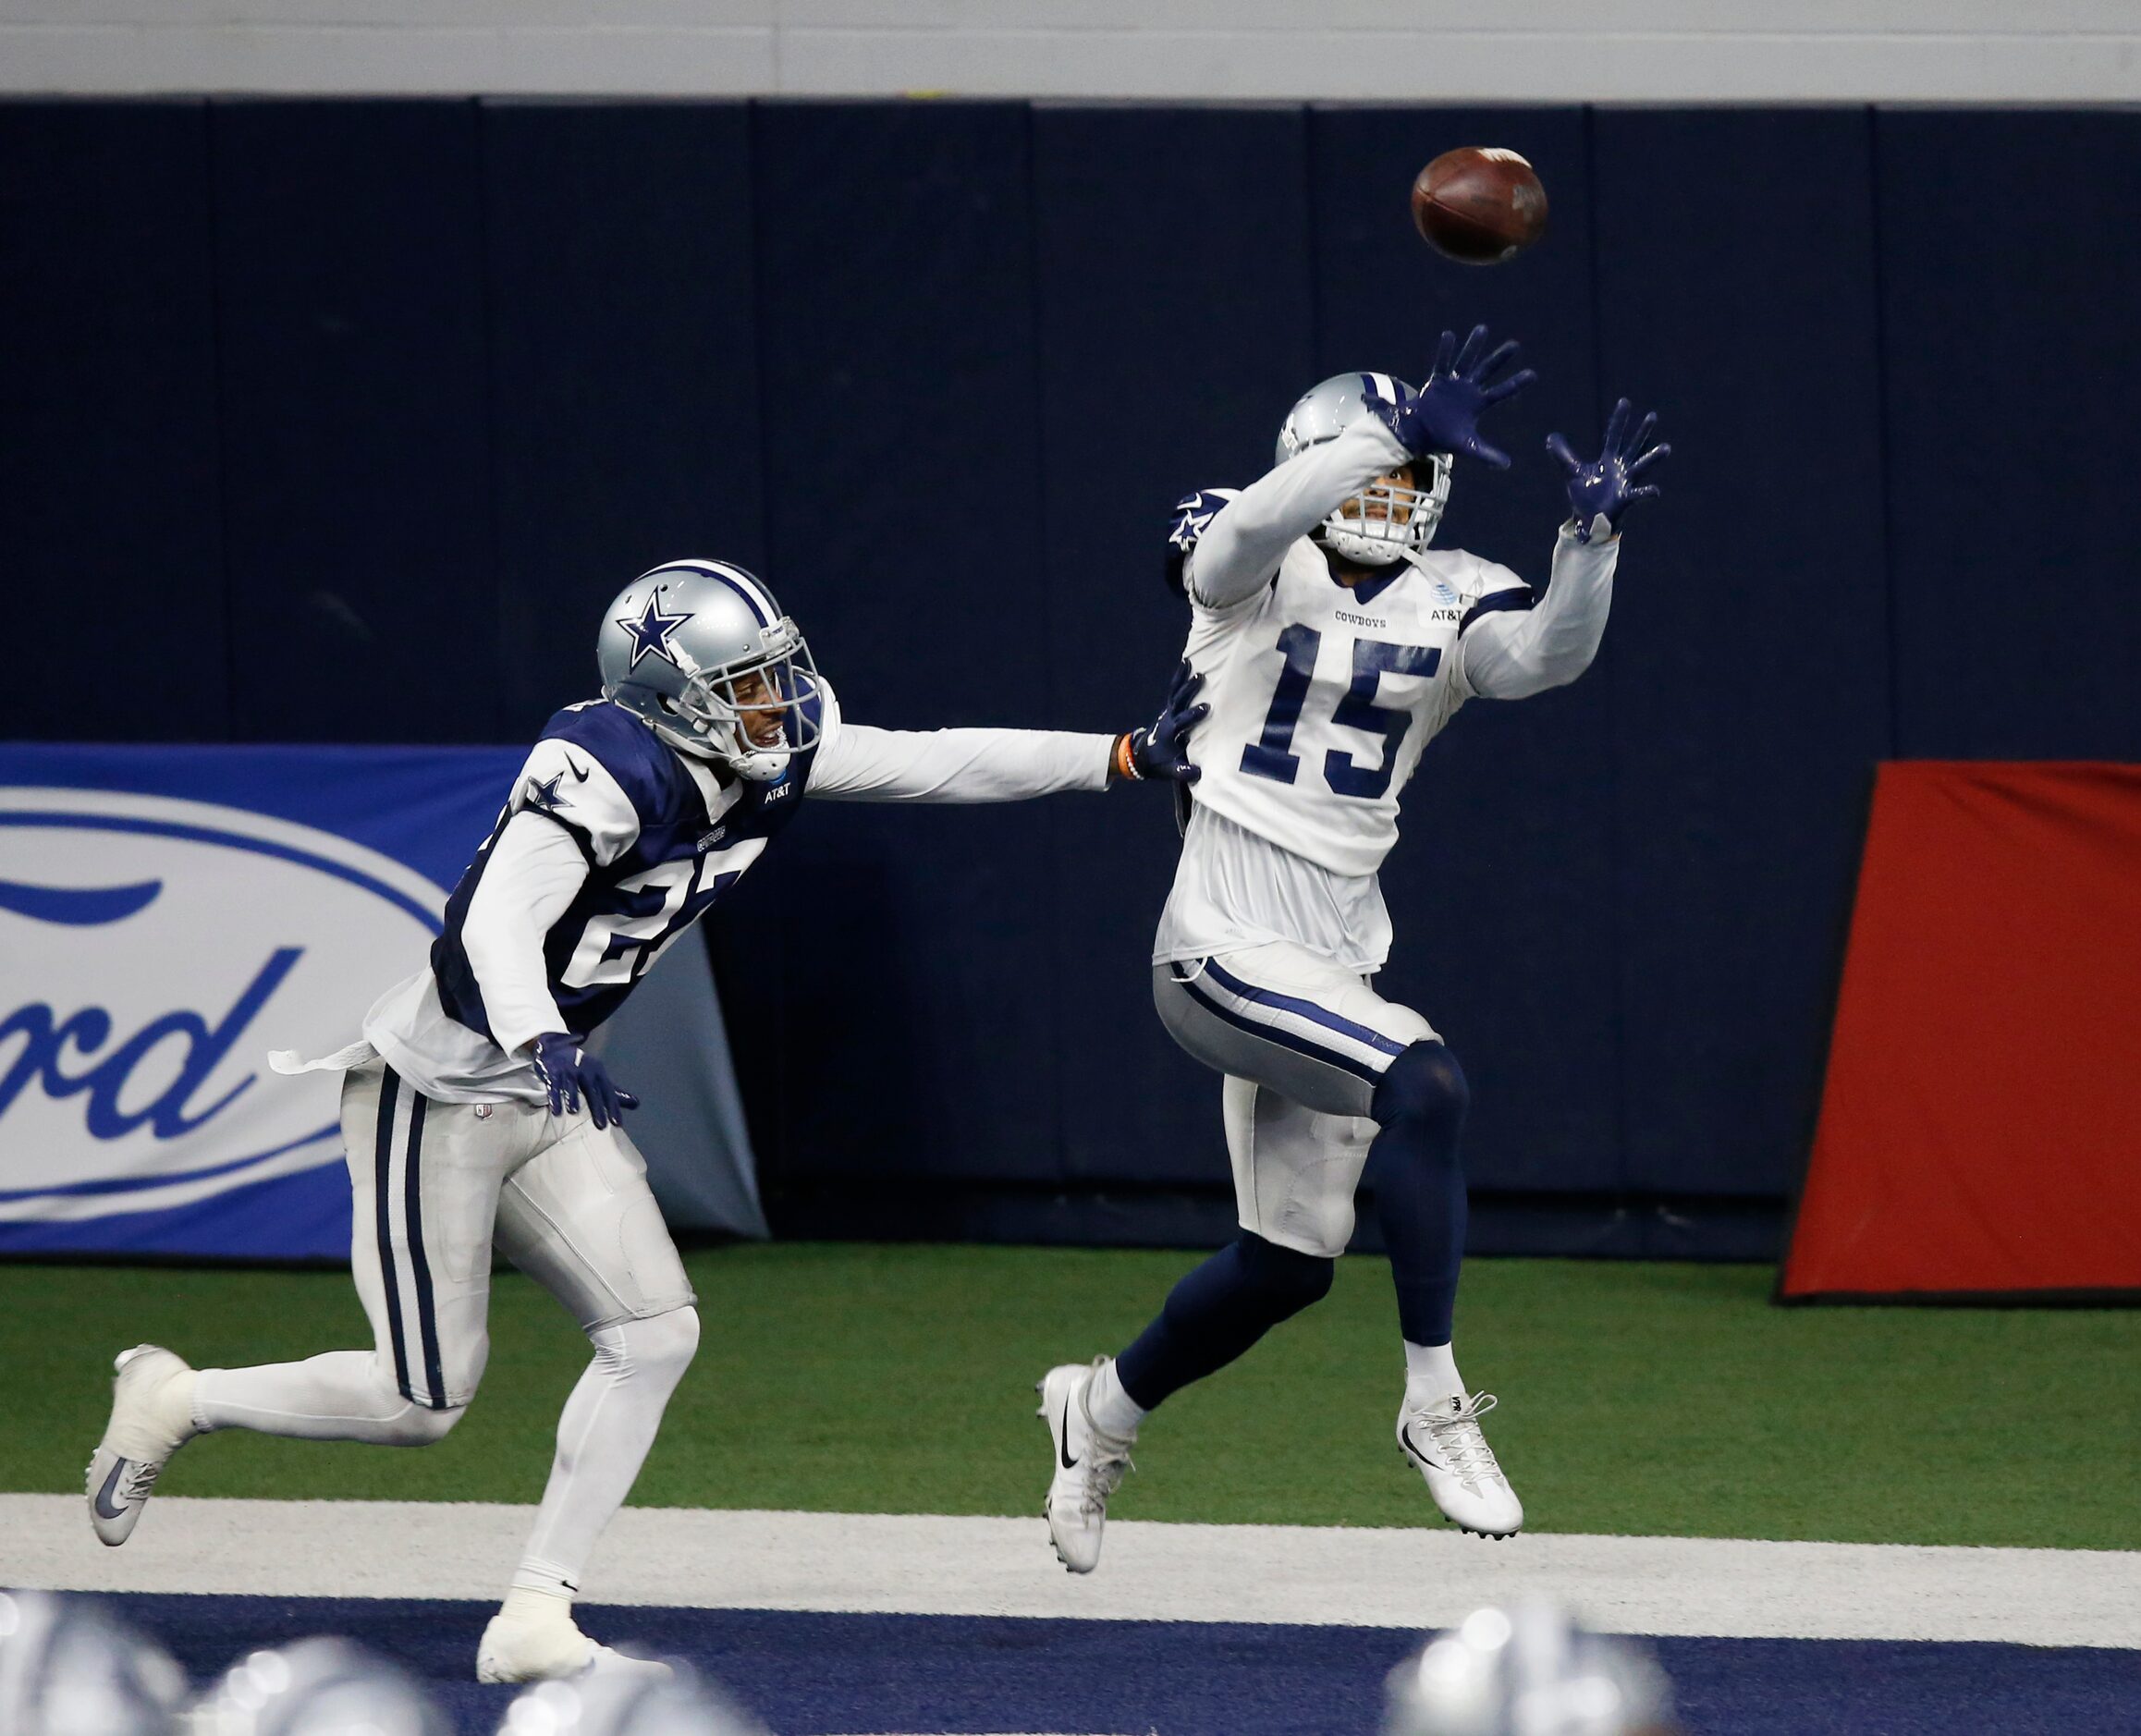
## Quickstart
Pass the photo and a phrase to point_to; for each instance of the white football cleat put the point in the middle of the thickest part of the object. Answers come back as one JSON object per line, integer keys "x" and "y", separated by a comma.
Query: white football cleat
{"x": 1443, "y": 1440}
{"x": 547, "y": 1645}
{"x": 1088, "y": 1465}
{"x": 152, "y": 1418}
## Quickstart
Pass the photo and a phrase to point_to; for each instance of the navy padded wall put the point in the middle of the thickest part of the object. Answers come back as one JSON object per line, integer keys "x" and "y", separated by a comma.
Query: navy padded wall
{"x": 1500, "y": 889}
{"x": 1750, "y": 632}
{"x": 349, "y": 240}
{"x": 2010, "y": 279}
{"x": 911, "y": 947}
{"x": 624, "y": 366}
{"x": 342, "y": 419}
{"x": 1175, "y": 325}
{"x": 108, "y": 475}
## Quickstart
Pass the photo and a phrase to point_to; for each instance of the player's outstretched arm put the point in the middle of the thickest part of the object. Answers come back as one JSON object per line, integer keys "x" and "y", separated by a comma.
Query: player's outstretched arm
{"x": 1605, "y": 487}
{"x": 856, "y": 763}
{"x": 1516, "y": 642}
{"x": 1232, "y": 553}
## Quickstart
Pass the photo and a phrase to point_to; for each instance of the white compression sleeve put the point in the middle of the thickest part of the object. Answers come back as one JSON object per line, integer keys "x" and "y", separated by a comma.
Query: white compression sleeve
{"x": 1244, "y": 544}
{"x": 535, "y": 871}
{"x": 602, "y": 1438}
{"x": 1513, "y": 653}
{"x": 343, "y": 1395}
{"x": 859, "y": 763}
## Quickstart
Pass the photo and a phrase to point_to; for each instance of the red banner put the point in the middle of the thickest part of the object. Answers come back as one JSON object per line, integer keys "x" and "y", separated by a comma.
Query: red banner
{"x": 1980, "y": 1130}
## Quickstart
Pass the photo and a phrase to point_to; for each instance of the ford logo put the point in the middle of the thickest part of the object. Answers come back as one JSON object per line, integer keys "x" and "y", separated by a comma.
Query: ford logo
{"x": 152, "y": 950}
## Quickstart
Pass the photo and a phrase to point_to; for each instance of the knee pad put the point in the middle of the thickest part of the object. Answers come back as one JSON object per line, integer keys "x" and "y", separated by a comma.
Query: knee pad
{"x": 418, "y": 1427}
{"x": 1290, "y": 1279}
{"x": 1422, "y": 1091}
{"x": 660, "y": 1346}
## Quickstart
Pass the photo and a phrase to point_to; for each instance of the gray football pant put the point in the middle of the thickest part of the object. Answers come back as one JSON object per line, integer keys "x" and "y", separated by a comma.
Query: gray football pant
{"x": 1302, "y": 1042}
{"x": 434, "y": 1187}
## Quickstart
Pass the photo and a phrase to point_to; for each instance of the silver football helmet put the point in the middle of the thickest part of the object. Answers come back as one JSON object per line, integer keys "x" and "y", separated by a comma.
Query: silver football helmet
{"x": 1382, "y": 524}
{"x": 700, "y": 649}
{"x": 69, "y": 1669}
{"x": 1527, "y": 1670}
{"x": 317, "y": 1688}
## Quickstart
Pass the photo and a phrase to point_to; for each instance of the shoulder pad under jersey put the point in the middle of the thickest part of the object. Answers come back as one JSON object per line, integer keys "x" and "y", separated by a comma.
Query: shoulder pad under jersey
{"x": 599, "y": 772}
{"x": 1191, "y": 513}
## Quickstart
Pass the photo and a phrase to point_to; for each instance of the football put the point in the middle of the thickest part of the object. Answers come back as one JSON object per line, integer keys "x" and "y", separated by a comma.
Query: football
{"x": 1479, "y": 204}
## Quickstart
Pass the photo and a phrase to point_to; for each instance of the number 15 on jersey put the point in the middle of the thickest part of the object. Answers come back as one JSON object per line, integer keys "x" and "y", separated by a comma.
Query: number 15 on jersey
{"x": 1272, "y": 755}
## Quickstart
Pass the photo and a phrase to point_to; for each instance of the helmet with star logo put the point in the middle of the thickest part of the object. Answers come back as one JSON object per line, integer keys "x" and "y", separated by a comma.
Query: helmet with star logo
{"x": 700, "y": 649}
{"x": 1383, "y": 523}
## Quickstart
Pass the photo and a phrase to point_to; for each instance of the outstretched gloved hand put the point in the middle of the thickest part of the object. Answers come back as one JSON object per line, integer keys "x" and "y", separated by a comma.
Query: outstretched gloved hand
{"x": 569, "y": 1073}
{"x": 1162, "y": 750}
{"x": 1443, "y": 416}
{"x": 1603, "y": 488}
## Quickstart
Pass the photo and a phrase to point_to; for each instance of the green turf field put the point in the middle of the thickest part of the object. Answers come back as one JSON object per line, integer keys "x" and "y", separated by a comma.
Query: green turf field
{"x": 1651, "y": 1398}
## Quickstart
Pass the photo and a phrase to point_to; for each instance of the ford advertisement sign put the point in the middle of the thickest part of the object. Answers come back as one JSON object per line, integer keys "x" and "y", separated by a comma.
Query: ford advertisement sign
{"x": 166, "y": 917}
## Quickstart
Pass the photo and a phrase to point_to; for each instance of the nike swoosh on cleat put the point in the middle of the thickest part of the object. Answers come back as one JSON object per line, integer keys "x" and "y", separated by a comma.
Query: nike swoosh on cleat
{"x": 1063, "y": 1449}
{"x": 1406, "y": 1437}
{"x": 103, "y": 1503}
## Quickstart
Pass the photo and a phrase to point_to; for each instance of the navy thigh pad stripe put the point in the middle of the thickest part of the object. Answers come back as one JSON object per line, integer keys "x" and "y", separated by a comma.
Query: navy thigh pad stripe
{"x": 420, "y": 1262}
{"x": 1307, "y": 1009}
{"x": 1283, "y": 1039}
{"x": 382, "y": 1201}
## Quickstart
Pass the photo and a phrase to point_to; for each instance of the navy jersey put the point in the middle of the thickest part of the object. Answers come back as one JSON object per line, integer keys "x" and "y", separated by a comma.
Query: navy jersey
{"x": 662, "y": 838}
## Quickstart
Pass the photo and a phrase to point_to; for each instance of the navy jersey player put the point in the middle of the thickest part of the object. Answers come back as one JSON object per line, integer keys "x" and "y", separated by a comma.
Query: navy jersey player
{"x": 1332, "y": 643}
{"x": 473, "y": 1117}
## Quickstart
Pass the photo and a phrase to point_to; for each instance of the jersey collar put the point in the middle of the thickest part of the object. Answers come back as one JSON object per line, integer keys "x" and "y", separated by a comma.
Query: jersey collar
{"x": 1368, "y": 589}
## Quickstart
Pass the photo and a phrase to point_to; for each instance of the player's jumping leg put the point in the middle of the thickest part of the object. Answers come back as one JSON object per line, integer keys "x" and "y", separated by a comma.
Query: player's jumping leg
{"x": 423, "y": 1178}
{"x": 1318, "y": 1065}
{"x": 581, "y": 1220}
{"x": 1420, "y": 1205}
{"x": 1210, "y": 1317}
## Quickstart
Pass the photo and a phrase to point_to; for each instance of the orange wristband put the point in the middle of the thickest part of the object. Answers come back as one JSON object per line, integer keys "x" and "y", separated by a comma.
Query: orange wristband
{"x": 1125, "y": 763}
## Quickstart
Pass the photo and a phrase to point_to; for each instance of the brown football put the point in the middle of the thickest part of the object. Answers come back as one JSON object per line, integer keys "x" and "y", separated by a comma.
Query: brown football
{"x": 1479, "y": 204}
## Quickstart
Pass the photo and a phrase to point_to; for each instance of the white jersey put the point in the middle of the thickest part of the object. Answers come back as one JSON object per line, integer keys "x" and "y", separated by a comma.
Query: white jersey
{"x": 1323, "y": 697}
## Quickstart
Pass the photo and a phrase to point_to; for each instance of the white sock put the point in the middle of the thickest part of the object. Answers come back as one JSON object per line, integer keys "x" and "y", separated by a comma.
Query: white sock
{"x": 1430, "y": 1373}
{"x": 528, "y": 1607}
{"x": 603, "y": 1437}
{"x": 1113, "y": 1410}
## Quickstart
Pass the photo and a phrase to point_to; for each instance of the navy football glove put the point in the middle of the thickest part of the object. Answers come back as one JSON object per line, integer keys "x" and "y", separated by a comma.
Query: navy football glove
{"x": 569, "y": 1073}
{"x": 1443, "y": 416}
{"x": 1604, "y": 489}
{"x": 1162, "y": 750}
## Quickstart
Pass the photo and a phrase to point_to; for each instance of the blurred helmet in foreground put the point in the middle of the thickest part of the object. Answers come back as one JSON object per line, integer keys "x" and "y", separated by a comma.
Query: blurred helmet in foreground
{"x": 1528, "y": 1670}
{"x": 627, "y": 1704}
{"x": 317, "y": 1688}
{"x": 66, "y": 1669}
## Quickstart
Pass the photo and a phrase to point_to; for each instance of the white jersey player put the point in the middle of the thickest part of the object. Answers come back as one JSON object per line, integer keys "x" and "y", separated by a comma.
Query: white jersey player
{"x": 471, "y": 1115}
{"x": 1330, "y": 644}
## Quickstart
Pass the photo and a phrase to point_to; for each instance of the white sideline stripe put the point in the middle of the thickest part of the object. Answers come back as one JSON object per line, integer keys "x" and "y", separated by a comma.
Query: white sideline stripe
{"x": 924, "y": 1565}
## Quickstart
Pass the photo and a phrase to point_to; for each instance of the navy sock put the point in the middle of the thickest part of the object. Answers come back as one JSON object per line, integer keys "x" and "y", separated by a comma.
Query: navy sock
{"x": 1218, "y": 1312}
{"x": 1419, "y": 1185}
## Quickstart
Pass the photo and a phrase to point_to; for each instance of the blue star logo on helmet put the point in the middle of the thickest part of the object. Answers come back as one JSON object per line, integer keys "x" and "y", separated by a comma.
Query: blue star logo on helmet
{"x": 651, "y": 631}
{"x": 544, "y": 797}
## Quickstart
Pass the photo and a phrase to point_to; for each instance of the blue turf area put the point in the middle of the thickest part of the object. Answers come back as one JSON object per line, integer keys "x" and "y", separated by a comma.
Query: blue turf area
{"x": 812, "y": 1675}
